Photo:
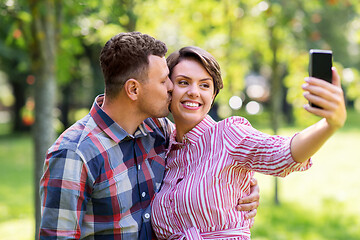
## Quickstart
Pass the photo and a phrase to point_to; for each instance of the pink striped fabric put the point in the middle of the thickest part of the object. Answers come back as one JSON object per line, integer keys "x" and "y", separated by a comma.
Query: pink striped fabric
{"x": 232, "y": 233}
{"x": 209, "y": 171}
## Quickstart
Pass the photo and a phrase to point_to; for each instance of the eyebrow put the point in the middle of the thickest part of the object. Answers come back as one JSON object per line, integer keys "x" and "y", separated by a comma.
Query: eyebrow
{"x": 184, "y": 76}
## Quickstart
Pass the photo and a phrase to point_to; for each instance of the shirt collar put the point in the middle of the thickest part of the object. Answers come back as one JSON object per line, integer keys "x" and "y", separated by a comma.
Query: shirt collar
{"x": 194, "y": 134}
{"x": 110, "y": 127}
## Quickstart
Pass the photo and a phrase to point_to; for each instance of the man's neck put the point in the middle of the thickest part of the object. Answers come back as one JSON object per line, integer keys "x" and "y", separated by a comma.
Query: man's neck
{"x": 124, "y": 113}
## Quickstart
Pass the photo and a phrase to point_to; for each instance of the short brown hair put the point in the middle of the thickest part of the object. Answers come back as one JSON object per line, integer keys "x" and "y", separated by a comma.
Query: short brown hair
{"x": 125, "y": 56}
{"x": 203, "y": 57}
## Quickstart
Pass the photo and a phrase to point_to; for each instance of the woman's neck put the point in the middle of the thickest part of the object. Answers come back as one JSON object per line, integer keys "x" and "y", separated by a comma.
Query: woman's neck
{"x": 182, "y": 128}
{"x": 180, "y": 132}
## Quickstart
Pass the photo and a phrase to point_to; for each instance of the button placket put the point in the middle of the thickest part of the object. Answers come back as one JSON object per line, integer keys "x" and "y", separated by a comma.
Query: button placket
{"x": 139, "y": 155}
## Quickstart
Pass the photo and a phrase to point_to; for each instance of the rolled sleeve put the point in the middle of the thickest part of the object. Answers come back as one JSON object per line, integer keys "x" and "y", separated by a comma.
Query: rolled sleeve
{"x": 260, "y": 152}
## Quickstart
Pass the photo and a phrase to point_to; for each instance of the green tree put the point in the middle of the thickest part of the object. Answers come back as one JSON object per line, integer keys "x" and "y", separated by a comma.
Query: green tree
{"x": 14, "y": 59}
{"x": 45, "y": 27}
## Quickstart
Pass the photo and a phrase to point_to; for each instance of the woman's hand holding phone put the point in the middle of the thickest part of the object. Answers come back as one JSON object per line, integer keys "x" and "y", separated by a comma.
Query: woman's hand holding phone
{"x": 328, "y": 98}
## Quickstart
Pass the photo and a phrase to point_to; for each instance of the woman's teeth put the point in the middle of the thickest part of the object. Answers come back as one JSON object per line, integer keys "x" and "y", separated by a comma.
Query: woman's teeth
{"x": 191, "y": 104}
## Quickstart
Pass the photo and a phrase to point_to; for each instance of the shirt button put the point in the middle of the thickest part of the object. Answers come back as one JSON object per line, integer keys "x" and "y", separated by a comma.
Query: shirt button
{"x": 143, "y": 194}
{"x": 139, "y": 167}
{"x": 147, "y": 215}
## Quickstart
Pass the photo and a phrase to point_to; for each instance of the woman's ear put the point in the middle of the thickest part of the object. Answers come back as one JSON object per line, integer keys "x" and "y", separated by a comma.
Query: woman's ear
{"x": 213, "y": 99}
{"x": 131, "y": 88}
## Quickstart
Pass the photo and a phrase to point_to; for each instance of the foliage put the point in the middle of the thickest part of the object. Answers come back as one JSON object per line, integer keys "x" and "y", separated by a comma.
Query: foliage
{"x": 236, "y": 32}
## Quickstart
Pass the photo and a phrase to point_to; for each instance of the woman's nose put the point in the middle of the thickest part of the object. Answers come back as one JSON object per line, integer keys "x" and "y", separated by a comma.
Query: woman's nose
{"x": 193, "y": 91}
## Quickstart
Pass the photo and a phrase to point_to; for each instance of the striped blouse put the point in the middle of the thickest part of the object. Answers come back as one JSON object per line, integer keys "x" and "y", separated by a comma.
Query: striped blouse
{"x": 209, "y": 171}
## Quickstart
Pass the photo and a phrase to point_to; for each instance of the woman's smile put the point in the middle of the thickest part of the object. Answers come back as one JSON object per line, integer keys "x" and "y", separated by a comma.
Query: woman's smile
{"x": 193, "y": 94}
{"x": 191, "y": 105}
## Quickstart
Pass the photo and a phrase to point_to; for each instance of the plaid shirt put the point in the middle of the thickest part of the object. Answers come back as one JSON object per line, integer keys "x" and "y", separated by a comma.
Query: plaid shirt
{"x": 99, "y": 181}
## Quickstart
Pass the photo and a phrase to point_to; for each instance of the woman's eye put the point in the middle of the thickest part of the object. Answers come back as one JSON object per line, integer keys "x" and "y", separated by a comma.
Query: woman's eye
{"x": 205, "y": 85}
{"x": 182, "y": 82}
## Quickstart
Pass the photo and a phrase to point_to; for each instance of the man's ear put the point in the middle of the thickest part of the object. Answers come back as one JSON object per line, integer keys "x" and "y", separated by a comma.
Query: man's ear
{"x": 131, "y": 88}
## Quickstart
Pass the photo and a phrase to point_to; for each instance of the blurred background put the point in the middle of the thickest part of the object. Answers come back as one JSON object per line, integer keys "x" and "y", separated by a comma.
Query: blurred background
{"x": 50, "y": 75}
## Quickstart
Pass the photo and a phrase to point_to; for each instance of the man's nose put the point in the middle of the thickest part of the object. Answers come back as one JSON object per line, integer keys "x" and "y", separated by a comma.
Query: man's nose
{"x": 170, "y": 85}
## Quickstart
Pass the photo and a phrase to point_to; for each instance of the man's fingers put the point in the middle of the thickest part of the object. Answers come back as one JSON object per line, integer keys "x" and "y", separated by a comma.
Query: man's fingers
{"x": 253, "y": 197}
{"x": 252, "y": 221}
{"x": 251, "y": 214}
{"x": 248, "y": 206}
{"x": 253, "y": 182}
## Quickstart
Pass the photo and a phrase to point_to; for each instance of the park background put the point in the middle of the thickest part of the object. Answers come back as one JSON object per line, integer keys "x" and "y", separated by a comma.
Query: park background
{"x": 50, "y": 74}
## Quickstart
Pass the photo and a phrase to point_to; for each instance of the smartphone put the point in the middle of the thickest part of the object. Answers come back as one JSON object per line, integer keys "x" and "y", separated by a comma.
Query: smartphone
{"x": 320, "y": 65}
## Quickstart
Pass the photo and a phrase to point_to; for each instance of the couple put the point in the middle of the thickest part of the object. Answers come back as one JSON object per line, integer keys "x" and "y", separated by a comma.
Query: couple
{"x": 102, "y": 173}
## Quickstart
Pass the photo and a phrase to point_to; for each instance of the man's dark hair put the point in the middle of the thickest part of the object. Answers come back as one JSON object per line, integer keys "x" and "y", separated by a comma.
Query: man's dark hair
{"x": 125, "y": 56}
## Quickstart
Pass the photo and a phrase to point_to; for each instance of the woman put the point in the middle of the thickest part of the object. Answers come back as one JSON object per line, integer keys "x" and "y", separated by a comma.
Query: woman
{"x": 210, "y": 163}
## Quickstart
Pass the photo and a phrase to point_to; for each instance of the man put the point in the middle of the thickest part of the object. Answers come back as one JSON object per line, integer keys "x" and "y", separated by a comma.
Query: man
{"x": 102, "y": 173}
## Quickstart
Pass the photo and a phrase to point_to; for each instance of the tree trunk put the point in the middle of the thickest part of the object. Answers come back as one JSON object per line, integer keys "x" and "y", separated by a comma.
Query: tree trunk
{"x": 276, "y": 95}
{"x": 19, "y": 94}
{"x": 43, "y": 49}
{"x": 43, "y": 131}
{"x": 65, "y": 105}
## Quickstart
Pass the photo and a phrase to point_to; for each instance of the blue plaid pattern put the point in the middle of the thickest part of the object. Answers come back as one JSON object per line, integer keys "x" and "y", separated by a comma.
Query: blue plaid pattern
{"x": 99, "y": 181}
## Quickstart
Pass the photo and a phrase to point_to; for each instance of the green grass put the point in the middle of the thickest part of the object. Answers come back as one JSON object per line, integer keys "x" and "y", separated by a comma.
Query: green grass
{"x": 321, "y": 203}
{"x": 16, "y": 188}
{"x": 293, "y": 221}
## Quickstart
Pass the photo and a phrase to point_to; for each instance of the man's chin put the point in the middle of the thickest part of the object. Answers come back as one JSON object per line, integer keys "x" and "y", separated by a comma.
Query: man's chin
{"x": 161, "y": 115}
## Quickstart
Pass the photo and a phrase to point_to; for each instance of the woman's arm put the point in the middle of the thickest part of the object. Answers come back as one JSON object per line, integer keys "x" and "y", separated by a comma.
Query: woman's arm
{"x": 331, "y": 98}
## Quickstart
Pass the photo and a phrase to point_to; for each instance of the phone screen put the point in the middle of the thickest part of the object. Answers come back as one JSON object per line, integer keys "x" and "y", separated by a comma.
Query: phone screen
{"x": 321, "y": 64}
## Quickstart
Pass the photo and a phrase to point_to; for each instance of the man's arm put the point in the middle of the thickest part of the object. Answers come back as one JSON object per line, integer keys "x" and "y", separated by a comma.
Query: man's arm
{"x": 63, "y": 200}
